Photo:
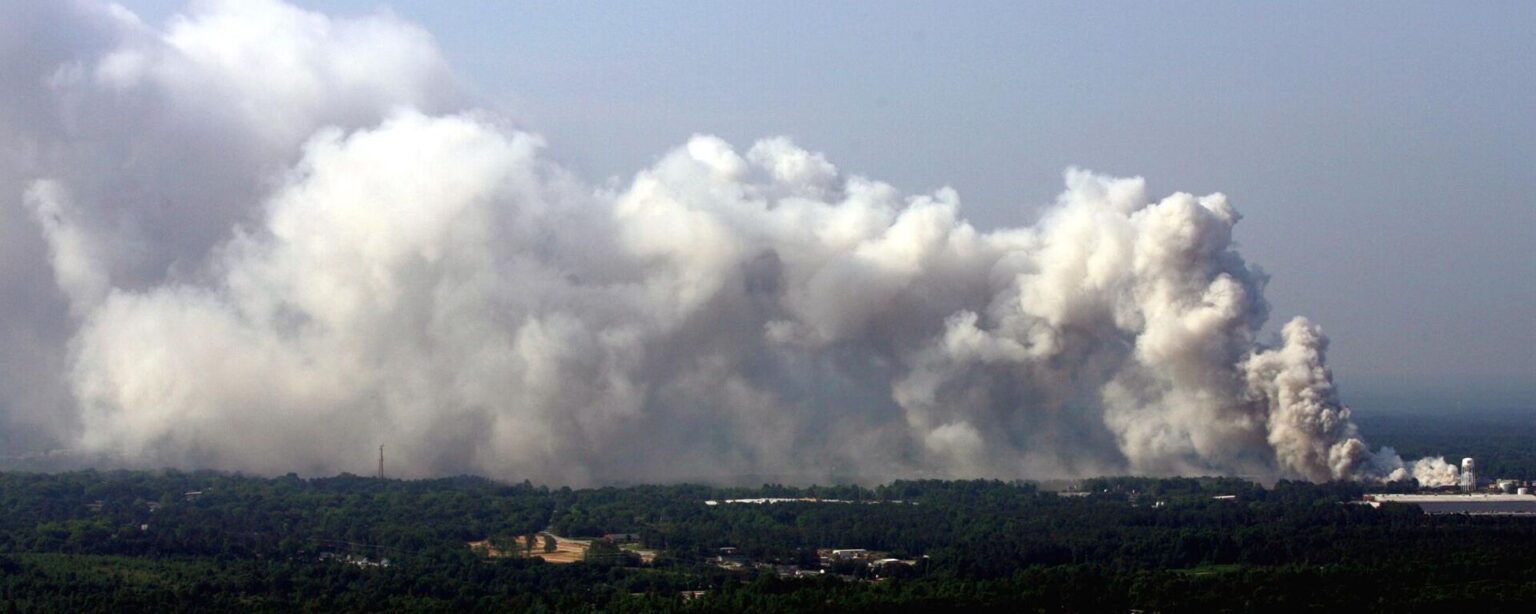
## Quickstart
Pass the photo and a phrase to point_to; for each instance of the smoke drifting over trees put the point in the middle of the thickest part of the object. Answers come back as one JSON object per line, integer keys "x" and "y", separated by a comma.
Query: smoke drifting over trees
{"x": 266, "y": 240}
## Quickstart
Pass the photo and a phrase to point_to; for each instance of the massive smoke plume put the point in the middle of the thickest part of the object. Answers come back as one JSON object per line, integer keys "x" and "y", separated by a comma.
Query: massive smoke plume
{"x": 262, "y": 239}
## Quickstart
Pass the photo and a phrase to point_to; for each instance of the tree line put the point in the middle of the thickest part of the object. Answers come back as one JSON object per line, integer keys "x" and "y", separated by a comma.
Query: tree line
{"x": 122, "y": 540}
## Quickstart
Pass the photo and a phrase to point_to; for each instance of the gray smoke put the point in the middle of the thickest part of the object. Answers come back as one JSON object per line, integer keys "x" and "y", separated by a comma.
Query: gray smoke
{"x": 266, "y": 240}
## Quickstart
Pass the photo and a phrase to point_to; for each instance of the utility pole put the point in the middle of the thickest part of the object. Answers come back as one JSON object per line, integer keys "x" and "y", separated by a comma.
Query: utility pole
{"x": 381, "y": 461}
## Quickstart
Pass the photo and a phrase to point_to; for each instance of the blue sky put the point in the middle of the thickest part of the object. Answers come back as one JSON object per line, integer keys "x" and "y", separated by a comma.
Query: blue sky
{"x": 1382, "y": 153}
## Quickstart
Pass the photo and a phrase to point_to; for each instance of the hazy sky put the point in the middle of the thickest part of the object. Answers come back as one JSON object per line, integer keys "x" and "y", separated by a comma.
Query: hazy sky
{"x": 1382, "y": 154}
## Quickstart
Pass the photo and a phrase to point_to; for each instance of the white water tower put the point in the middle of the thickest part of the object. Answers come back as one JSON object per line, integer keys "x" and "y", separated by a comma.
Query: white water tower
{"x": 1468, "y": 474}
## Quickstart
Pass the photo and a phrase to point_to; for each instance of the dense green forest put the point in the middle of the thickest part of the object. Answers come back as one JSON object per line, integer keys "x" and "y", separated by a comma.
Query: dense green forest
{"x": 169, "y": 540}
{"x": 206, "y": 541}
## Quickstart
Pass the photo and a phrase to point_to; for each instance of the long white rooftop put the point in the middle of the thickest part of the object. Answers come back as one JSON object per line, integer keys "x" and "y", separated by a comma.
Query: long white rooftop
{"x": 1477, "y": 503}
{"x": 1454, "y": 498}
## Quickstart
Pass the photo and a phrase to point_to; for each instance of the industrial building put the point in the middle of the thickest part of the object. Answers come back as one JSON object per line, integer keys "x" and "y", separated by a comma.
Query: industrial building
{"x": 1504, "y": 497}
{"x": 1474, "y": 503}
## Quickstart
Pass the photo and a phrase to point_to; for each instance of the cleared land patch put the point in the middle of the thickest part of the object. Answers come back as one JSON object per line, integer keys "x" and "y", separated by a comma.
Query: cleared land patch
{"x": 566, "y": 550}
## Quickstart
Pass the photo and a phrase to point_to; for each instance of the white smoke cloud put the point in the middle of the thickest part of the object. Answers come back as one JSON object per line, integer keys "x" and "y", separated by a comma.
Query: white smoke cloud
{"x": 1435, "y": 472}
{"x": 137, "y": 149}
{"x": 283, "y": 240}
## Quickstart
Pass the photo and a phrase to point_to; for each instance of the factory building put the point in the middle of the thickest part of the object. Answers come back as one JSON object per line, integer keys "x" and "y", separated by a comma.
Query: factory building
{"x": 1476, "y": 503}
{"x": 1504, "y": 497}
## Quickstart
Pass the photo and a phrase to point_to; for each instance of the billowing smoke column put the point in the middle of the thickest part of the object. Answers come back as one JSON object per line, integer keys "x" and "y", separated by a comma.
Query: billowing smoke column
{"x": 266, "y": 240}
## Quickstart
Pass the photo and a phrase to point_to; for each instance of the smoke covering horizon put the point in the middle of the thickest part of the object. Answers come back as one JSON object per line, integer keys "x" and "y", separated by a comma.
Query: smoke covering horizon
{"x": 266, "y": 240}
